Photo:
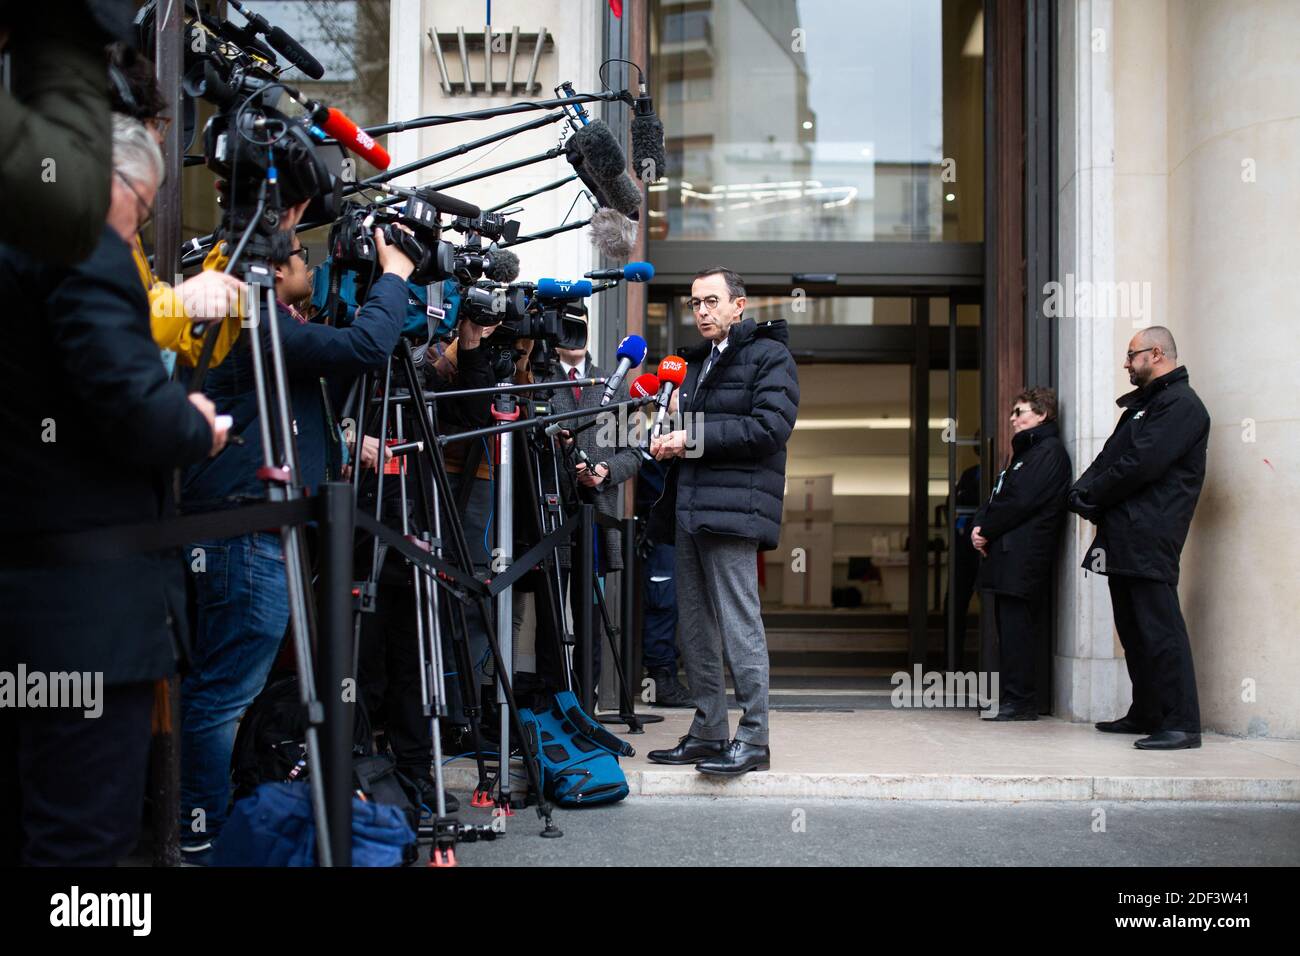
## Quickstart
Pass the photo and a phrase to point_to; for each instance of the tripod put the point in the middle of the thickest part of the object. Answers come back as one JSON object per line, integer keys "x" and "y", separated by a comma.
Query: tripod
{"x": 596, "y": 596}
{"x": 282, "y": 477}
{"x": 436, "y": 497}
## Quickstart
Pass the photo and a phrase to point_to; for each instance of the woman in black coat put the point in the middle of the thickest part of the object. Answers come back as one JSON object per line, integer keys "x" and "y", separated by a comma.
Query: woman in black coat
{"x": 1016, "y": 531}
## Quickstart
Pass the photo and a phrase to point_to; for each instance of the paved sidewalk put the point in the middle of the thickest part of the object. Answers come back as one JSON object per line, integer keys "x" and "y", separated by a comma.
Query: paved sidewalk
{"x": 689, "y": 831}
{"x": 953, "y": 755}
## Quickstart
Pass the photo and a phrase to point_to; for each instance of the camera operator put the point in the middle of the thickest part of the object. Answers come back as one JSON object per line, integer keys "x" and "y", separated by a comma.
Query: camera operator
{"x": 388, "y": 670}
{"x": 210, "y": 296}
{"x": 93, "y": 429}
{"x": 612, "y": 464}
{"x": 242, "y": 597}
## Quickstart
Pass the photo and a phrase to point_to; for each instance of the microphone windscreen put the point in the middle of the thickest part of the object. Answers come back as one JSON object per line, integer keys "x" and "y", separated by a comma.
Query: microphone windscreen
{"x": 503, "y": 265}
{"x": 624, "y": 195}
{"x": 352, "y": 137}
{"x": 600, "y": 150}
{"x": 645, "y": 386}
{"x": 638, "y": 272}
{"x": 648, "y": 160}
{"x": 613, "y": 234}
{"x": 633, "y": 347}
{"x": 563, "y": 288}
{"x": 673, "y": 369}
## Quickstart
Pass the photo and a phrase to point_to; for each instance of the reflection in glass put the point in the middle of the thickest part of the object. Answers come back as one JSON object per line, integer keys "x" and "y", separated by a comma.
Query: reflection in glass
{"x": 820, "y": 120}
{"x": 350, "y": 39}
{"x": 822, "y": 310}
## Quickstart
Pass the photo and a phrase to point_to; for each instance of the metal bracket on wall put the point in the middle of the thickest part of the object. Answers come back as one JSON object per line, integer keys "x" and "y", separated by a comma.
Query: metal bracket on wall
{"x": 510, "y": 46}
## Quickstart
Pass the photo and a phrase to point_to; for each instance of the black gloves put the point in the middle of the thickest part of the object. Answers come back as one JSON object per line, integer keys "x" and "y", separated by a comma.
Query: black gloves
{"x": 1079, "y": 504}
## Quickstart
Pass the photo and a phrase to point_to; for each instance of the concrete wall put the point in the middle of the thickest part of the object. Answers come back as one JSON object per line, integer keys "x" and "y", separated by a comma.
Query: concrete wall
{"x": 414, "y": 90}
{"x": 1233, "y": 153}
{"x": 1179, "y": 145}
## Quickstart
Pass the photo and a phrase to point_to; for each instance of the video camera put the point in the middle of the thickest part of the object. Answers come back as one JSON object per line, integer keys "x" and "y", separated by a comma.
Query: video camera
{"x": 352, "y": 245}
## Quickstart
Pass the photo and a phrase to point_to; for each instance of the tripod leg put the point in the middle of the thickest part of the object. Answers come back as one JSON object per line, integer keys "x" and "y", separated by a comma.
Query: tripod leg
{"x": 462, "y": 550}
{"x": 550, "y": 604}
{"x": 280, "y": 487}
{"x": 442, "y": 853}
{"x": 607, "y": 625}
{"x": 432, "y": 476}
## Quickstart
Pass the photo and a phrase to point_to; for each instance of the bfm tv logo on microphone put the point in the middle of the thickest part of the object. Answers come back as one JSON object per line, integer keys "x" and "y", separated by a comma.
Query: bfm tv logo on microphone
{"x": 671, "y": 365}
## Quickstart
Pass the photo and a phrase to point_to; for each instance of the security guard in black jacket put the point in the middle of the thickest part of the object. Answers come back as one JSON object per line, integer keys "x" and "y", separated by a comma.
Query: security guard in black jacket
{"x": 1141, "y": 493}
{"x": 1017, "y": 531}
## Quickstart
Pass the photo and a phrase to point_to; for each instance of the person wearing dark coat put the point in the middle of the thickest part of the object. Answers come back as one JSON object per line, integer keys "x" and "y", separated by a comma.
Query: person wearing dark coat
{"x": 1141, "y": 493}
{"x": 742, "y": 389}
{"x": 240, "y": 583}
{"x": 1017, "y": 531}
{"x": 93, "y": 430}
{"x": 613, "y": 464}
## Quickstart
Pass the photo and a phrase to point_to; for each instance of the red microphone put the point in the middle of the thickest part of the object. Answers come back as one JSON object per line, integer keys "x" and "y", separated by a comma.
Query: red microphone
{"x": 337, "y": 125}
{"x": 672, "y": 372}
{"x": 645, "y": 386}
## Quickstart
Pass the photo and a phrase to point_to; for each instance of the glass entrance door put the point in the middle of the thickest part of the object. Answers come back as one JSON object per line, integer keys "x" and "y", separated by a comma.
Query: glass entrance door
{"x": 847, "y": 592}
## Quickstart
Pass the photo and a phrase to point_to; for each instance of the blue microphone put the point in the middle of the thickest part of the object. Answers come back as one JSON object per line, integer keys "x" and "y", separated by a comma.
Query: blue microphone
{"x": 565, "y": 289}
{"x": 632, "y": 272}
{"x": 631, "y": 353}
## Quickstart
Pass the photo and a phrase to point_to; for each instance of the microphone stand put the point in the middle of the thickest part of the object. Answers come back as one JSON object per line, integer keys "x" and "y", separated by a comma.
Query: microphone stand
{"x": 424, "y": 122}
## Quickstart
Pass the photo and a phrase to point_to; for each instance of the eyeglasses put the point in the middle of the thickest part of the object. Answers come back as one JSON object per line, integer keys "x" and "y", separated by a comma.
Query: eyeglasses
{"x": 1017, "y": 411}
{"x": 1138, "y": 352}
{"x": 148, "y": 207}
{"x": 710, "y": 301}
{"x": 302, "y": 251}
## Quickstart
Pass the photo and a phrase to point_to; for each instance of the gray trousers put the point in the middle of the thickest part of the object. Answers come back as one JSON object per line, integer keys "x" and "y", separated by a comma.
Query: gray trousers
{"x": 718, "y": 621}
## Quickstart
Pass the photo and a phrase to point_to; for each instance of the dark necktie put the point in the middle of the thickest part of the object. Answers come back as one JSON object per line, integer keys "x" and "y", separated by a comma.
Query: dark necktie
{"x": 708, "y": 366}
{"x": 577, "y": 392}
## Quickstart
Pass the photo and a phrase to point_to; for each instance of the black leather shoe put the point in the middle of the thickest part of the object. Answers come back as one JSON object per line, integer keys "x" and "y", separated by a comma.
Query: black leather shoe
{"x": 1169, "y": 740}
{"x": 688, "y": 750}
{"x": 738, "y": 758}
{"x": 1121, "y": 726}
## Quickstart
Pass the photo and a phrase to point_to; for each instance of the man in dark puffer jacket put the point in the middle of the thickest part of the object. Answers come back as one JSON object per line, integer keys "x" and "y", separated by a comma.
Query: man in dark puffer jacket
{"x": 742, "y": 386}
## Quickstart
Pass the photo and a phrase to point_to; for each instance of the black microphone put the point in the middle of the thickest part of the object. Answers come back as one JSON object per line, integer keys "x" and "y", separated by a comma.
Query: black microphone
{"x": 648, "y": 159}
{"x": 285, "y": 45}
{"x": 600, "y": 149}
{"x": 294, "y": 52}
{"x": 448, "y": 204}
{"x": 604, "y": 158}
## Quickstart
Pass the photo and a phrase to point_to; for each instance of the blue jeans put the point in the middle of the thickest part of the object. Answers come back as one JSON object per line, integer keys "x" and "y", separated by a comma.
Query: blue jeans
{"x": 243, "y": 609}
{"x": 659, "y": 627}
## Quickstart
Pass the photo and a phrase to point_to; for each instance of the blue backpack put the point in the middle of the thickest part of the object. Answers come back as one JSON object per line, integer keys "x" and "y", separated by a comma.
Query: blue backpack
{"x": 578, "y": 757}
{"x": 274, "y": 827}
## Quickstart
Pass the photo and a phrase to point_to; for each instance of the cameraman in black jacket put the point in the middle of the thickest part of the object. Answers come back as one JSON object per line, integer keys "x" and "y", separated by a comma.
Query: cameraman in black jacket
{"x": 1017, "y": 531}
{"x": 1141, "y": 493}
